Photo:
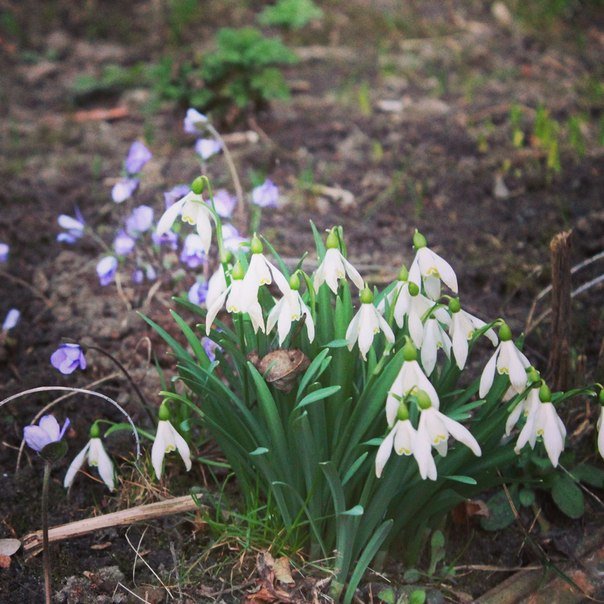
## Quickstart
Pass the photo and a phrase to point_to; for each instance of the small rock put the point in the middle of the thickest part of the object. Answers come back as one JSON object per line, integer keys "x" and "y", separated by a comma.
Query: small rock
{"x": 500, "y": 190}
{"x": 502, "y": 14}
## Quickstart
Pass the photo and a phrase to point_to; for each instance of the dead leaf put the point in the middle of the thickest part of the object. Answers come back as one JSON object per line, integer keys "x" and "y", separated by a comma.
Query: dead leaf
{"x": 100, "y": 114}
{"x": 4, "y": 561}
{"x": 101, "y": 546}
{"x": 283, "y": 571}
{"x": 462, "y": 513}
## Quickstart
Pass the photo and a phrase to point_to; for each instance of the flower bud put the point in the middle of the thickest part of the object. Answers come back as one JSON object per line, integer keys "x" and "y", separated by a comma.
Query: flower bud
{"x": 237, "y": 273}
{"x": 419, "y": 240}
{"x": 164, "y": 412}
{"x": 197, "y": 185}
{"x": 294, "y": 282}
{"x": 533, "y": 375}
{"x": 413, "y": 289}
{"x": 95, "y": 430}
{"x": 403, "y": 274}
{"x": 423, "y": 400}
{"x": 454, "y": 305}
{"x": 545, "y": 394}
{"x": 505, "y": 333}
{"x": 332, "y": 242}
{"x": 403, "y": 413}
{"x": 256, "y": 245}
{"x": 366, "y": 296}
{"x": 409, "y": 351}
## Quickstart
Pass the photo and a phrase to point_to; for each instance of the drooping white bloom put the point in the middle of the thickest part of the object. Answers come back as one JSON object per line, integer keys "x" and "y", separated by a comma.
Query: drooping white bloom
{"x": 543, "y": 421}
{"x": 428, "y": 267}
{"x": 434, "y": 337}
{"x": 167, "y": 439}
{"x": 400, "y": 297}
{"x": 525, "y": 407}
{"x": 402, "y": 438}
{"x": 194, "y": 211}
{"x": 290, "y": 308}
{"x": 216, "y": 285}
{"x": 333, "y": 268}
{"x": 366, "y": 324}
{"x": 506, "y": 359}
{"x": 97, "y": 457}
{"x": 462, "y": 327}
{"x": 600, "y": 427}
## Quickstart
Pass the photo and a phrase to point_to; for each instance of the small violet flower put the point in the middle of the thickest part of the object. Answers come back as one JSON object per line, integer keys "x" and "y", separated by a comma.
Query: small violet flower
{"x": 193, "y": 252}
{"x": 266, "y": 195}
{"x": 124, "y": 189}
{"x": 137, "y": 157}
{"x": 123, "y": 244}
{"x": 206, "y": 147}
{"x": 73, "y": 227}
{"x": 224, "y": 203}
{"x": 168, "y": 239}
{"x": 148, "y": 273}
{"x": 198, "y": 292}
{"x": 174, "y": 194}
{"x": 67, "y": 358}
{"x": 210, "y": 348}
{"x": 46, "y": 432}
{"x": 11, "y": 320}
{"x": 4, "y": 249}
{"x": 193, "y": 120}
{"x": 139, "y": 221}
{"x": 106, "y": 269}
{"x": 167, "y": 439}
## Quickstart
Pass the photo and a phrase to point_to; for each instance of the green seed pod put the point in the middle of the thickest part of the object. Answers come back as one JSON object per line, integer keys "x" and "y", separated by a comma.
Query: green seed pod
{"x": 237, "y": 273}
{"x": 505, "y": 333}
{"x": 403, "y": 274}
{"x": 164, "y": 412}
{"x": 419, "y": 240}
{"x": 294, "y": 282}
{"x": 454, "y": 305}
{"x": 403, "y": 413}
{"x": 545, "y": 394}
{"x": 197, "y": 185}
{"x": 413, "y": 289}
{"x": 95, "y": 430}
{"x": 423, "y": 400}
{"x": 332, "y": 242}
{"x": 366, "y": 296}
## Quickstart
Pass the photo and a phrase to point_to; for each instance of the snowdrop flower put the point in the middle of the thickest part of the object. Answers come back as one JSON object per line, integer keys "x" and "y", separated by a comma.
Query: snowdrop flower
{"x": 418, "y": 306}
{"x": 216, "y": 286}
{"x": 138, "y": 156}
{"x": 194, "y": 211}
{"x": 206, "y": 147}
{"x": 290, "y": 308}
{"x": 168, "y": 239}
{"x": 45, "y": 433}
{"x": 4, "y": 250}
{"x": 430, "y": 268}
{"x": 139, "y": 221}
{"x": 335, "y": 267}
{"x": 106, "y": 269}
{"x": 224, "y": 203}
{"x": 462, "y": 328}
{"x": 193, "y": 120}
{"x": 193, "y": 252}
{"x": 174, "y": 194}
{"x": 366, "y": 324}
{"x": 67, "y": 358}
{"x": 543, "y": 421}
{"x": 97, "y": 457}
{"x": 506, "y": 359}
{"x": 261, "y": 271}
{"x": 11, "y": 320}
{"x": 399, "y": 297}
{"x": 435, "y": 427}
{"x": 266, "y": 195}
{"x": 525, "y": 407}
{"x": 124, "y": 189}
{"x": 167, "y": 439}
{"x": 434, "y": 337}
{"x": 198, "y": 292}
{"x": 240, "y": 296}
{"x": 73, "y": 227}
{"x": 410, "y": 379}
{"x": 123, "y": 244}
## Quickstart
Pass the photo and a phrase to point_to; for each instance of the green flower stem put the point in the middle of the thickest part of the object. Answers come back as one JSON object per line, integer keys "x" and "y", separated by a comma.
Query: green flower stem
{"x": 45, "y": 543}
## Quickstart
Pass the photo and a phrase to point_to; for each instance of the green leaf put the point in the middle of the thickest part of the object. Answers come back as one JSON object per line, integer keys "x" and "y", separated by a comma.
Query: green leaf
{"x": 387, "y": 596}
{"x": 417, "y": 597}
{"x": 589, "y": 474}
{"x": 501, "y": 514}
{"x": 526, "y": 497}
{"x": 339, "y": 343}
{"x": 568, "y": 497}
{"x": 462, "y": 479}
{"x": 259, "y": 451}
{"x": 318, "y": 395}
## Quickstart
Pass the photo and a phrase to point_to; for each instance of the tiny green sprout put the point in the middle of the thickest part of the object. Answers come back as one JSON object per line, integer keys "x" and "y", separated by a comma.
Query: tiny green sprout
{"x": 332, "y": 242}
{"x": 409, "y": 351}
{"x": 294, "y": 282}
{"x": 545, "y": 394}
{"x": 419, "y": 241}
{"x": 256, "y": 245}
{"x": 366, "y": 296}
{"x": 403, "y": 412}
{"x": 164, "y": 412}
{"x": 403, "y": 274}
{"x": 423, "y": 400}
{"x": 95, "y": 430}
{"x": 237, "y": 273}
{"x": 197, "y": 185}
{"x": 505, "y": 333}
{"x": 413, "y": 289}
{"x": 454, "y": 305}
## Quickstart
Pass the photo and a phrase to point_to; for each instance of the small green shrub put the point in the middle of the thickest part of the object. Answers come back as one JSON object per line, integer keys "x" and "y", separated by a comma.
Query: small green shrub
{"x": 292, "y": 14}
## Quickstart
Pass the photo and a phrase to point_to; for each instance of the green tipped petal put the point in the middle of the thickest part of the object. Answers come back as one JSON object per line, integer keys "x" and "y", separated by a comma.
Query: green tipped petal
{"x": 237, "y": 273}
{"x": 423, "y": 400}
{"x": 454, "y": 305}
{"x": 409, "y": 351}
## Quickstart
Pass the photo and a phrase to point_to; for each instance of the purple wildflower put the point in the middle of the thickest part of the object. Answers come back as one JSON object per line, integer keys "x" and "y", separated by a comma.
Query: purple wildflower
{"x": 168, "y": 239}
{"x": 174, "y": 194}
{"x": 193, "y": 120}
{"x": 137, "y": 157}
{"x": 193, "y": 254}
{"x": 139, "y": 221}
{"x": 67, "y": 358}
{"x": 11, "y": 320}
{"x": 4, "y": 249}
{"x": 73, "y": 228}
{"x": 206, "y": 147}
{"x": 198, "y": 292}
{"x": 224, "y": 203}
{"x": 210, "y": 347}
{"x": 124, "y": 189}
{"x": 123, "y": 244}
{"x": 139, "y": 275}
{"x": 266, "y": 195}
{"x": 46, "y": 432}
{"x": 106, "y": 269}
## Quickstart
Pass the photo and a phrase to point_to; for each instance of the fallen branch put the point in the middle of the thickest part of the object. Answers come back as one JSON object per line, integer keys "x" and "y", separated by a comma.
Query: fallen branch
{"x": 32, "y": 543}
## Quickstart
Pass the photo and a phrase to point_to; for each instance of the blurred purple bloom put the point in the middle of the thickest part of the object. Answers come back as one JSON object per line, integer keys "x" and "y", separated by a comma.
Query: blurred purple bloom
{"x": 73, "y": 227}
{"x": 138, "y": 156}
{"x": 106, "y": 269}
{"x": 266, "y": 195}
{"x": 210, "y": 347}
{"x": 169, "y": 239}
{"x": 67, "y": 358}
{"x": 206, "y": 147}
{"x": 139, "y": 275}
{"x": 12, "y": 318}
{"x": 174, "y": 194}
{"x": 124, "y": 189}
{"x": 150, "y": 273}
{"x": 123, "y": 244}
{"x": 48, "y": 431}
{"x": 198, "y": 292}
{"x": 193, "y": 254}
{"x": 139, "y": 221}
{"x": 193, "y": 120}
{"x": 224, "y": 203}
{"x": 231, "y": 238}
{"x": 4, "y": 249}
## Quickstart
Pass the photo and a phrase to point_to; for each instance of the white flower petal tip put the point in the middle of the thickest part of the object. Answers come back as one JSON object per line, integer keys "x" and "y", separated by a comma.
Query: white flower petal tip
{"x": 95, "y": 454}
{"x": 333, "y": 268}
{"x": 543, "y": 421}
{"x": 167, "y": 439}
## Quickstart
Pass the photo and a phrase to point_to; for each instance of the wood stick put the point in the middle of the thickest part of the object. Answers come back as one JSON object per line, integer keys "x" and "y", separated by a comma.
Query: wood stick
{"x": 32, "y": 542}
